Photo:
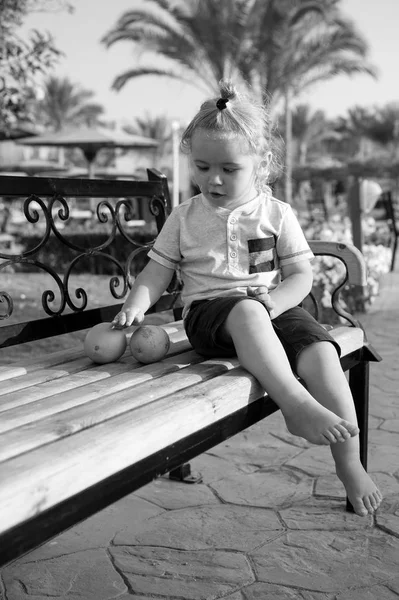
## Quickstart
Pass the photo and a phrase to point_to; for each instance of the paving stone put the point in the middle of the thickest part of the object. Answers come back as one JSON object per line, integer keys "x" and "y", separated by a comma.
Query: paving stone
{"x": 387, "y": 410}
{"x": 383, "y": 438}
{"x": 268, "y": 452}
{"x": 316, "y": 460}
{"x": 89, "y": 575}
{"x": 389, "y": 387}
{"x": 181, "y": 574}
{"x": 99, "y": 530}
{"x": 223, "y": 527}
{"x": 393, "y": 585}
{"x": 329, "y": 486}
{"x": 378, "y": 592}
{"x": 387, "y": 516}
{"x": 266, "y": 591}
{"x": 323, "y": 516}
{"x": 270, "y": 488}
{"x": 384, "y": 459}
{"x": 172, "y": 495}
{"x": 390, "y": 425}
{"x": 375, "y": 422}
{"x": 325, "y": 561}
{"x": 235, "y": 596}
{"x": 213, "y": 468}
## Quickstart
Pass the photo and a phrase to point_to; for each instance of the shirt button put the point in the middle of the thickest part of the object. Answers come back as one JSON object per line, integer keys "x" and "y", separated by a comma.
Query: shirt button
{"x": 233, "y": 220}
{"x": 233, "y": 237}
{"x": 233, "y": 254}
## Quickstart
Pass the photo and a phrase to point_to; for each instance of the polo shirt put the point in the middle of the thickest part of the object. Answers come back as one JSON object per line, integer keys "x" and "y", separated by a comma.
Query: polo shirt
{"x": 220, "y": 252}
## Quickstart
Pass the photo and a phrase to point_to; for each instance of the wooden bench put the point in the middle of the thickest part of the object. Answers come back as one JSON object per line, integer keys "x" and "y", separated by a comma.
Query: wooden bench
{"x": 75, "y": 436}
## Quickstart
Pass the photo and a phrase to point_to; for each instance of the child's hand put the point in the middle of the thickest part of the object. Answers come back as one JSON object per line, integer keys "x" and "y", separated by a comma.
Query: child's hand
{"x": 127, "y": 317}
{"x": 262, "y": 294}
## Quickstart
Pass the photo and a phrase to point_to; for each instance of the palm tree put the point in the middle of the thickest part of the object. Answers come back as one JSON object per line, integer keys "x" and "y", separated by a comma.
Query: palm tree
{"x": 65, "y": 103}
{"x": 354, "y": 131}
{"x": 309, "y": 130}
{"x": 383, "y": 127}
{"x": 203, "y": 42}
{"x": 155, "y": 127}
{"x": 277, "y": 47}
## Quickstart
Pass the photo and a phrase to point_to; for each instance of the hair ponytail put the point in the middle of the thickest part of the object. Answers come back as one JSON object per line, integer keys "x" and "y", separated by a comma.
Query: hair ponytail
{"x": 235, "y": 114}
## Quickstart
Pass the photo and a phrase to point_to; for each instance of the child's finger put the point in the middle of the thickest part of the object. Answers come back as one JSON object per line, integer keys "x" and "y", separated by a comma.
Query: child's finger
{"x": 261, "y": 290}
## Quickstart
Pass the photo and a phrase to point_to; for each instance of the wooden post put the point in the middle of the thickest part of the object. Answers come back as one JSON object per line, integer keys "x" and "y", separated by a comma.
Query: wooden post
{"x": 355, "y": 215}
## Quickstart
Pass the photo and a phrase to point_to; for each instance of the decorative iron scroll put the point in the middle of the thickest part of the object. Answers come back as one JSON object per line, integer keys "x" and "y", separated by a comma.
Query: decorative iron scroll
{"x": 115, "y": 215}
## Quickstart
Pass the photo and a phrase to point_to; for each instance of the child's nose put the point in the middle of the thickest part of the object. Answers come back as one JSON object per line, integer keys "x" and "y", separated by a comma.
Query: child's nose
{"x": 215, "y": 179}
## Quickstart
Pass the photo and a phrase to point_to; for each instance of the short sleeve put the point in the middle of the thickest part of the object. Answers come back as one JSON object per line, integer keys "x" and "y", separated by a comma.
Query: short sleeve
{"x": 166, "y": 249}
{"x": 291, "y": 242}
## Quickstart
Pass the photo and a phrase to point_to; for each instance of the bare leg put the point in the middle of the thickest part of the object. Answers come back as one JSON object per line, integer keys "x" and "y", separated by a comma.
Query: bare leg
{"x": 260, "y": 352}
{"x": 319, "y": 367}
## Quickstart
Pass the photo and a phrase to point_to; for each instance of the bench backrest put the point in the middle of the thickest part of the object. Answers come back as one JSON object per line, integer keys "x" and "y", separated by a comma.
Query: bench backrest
{"x": 48, "y": 201}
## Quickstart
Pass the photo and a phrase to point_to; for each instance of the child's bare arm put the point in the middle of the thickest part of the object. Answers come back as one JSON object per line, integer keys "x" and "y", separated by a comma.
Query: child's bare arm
{"x": 297, "y": 279}
{"x": 147, "y": 289}
{"x": 295, "y": 286}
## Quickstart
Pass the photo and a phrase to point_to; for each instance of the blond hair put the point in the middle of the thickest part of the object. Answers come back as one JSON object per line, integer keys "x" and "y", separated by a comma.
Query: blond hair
{"x": 239, "y": 116}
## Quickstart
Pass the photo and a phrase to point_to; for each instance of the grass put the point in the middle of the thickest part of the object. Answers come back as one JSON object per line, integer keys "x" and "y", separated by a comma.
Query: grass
{"x": 26, "y": 290}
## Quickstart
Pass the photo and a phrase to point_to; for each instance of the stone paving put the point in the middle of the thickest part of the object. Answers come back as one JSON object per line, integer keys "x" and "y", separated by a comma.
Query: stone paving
{"x": 268, "y": 522}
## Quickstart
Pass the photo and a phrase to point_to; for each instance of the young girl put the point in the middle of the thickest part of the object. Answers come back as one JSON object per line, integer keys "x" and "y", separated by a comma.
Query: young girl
{"x": 245, "y": 267}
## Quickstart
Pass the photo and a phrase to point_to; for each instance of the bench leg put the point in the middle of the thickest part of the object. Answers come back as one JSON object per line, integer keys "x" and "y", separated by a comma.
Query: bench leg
{"x": 359, "y": 380}
{"x": 183, "y": 473}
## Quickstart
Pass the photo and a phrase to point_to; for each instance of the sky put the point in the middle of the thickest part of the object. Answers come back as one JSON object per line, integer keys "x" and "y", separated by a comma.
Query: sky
{"x": 88, "y": 63}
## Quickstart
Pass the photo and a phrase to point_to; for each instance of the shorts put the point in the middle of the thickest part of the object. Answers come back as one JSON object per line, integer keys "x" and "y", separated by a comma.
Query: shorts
{"x": 295, "y": 328}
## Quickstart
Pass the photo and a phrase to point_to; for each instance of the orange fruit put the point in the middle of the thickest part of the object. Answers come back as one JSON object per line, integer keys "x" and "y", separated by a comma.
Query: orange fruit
{"x": 149, "y": 343}
{"x": 103, "y": 344}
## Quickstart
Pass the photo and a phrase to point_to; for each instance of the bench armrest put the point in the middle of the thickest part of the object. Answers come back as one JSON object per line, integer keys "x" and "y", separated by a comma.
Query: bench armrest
{"x": 355, "y": 271}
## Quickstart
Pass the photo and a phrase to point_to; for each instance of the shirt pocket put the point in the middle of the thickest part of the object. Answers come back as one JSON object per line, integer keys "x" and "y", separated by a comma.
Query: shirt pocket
{"x": 262, "y": 254}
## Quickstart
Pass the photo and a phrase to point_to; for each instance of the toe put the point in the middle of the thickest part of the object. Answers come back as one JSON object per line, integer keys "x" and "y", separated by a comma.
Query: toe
{"x": 352, "y": 429}
{"x": 327, "y": 439}
{"x": 367, "y": 501}
{"x": 376, "y": 500}
{"x": 360, "y": 508}
{"x": 329, "y": 436}
{"x": 343, "y": 431}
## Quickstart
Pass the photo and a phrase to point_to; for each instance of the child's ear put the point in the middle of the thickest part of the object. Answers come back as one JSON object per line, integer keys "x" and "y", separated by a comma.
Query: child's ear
{"x": 265, "y": 161}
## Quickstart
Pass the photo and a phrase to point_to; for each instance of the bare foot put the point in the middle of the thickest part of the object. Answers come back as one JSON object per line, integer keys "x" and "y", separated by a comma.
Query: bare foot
{"x": 318, "y": 425}
{"x": 362, "y": 492}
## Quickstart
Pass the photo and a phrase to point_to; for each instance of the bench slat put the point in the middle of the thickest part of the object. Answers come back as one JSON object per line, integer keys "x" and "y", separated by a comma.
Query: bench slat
{"x": 32, "y": 364}
{"x": 29, "y": 365}
{"x": 69, "y": 422}
{"x": 52, "y": 404}
{"x": 44, "y": 375}
{"x": 74, "y": 374}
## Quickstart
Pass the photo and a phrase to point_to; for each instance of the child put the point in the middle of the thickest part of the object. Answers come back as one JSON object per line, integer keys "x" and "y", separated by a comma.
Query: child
{"x": 245, "y": 267}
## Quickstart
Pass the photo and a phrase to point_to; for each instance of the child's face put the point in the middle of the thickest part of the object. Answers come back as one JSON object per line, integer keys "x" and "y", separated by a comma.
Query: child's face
{"x": 224, "y": 169}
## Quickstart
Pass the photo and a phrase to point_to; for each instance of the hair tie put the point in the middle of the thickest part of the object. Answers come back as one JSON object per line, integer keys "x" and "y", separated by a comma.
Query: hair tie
{"x": 221, "y": 103}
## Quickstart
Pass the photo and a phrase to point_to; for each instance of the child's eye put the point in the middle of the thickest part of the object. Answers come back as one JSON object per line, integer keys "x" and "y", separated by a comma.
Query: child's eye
{"x": 227, "y": 170}
{"x": 201, "y": 168}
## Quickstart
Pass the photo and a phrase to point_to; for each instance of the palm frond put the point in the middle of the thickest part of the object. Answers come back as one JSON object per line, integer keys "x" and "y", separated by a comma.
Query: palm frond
{"x": 135, "y": 72}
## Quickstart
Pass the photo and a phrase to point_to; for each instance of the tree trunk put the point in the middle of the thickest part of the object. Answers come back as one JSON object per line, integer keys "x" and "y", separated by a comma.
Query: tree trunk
{"x": 288, "y": 147}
